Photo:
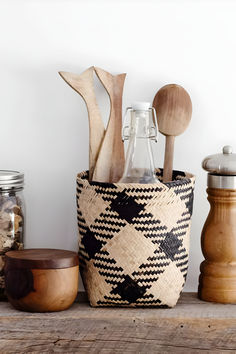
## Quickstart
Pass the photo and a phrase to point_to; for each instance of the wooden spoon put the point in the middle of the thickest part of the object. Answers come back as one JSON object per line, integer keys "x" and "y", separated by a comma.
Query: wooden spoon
{"x": 110, "y": 162}
{"x": 174, "y": 109}
{"x": 84, "y": 85}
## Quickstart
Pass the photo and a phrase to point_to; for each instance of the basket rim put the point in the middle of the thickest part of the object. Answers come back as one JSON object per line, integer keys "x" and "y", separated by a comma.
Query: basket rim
{"x": 188, "y": 178}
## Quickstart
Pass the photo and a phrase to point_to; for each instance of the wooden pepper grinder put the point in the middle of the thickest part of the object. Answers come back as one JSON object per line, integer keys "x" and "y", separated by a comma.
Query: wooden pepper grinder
{"x": 217, "y": 281}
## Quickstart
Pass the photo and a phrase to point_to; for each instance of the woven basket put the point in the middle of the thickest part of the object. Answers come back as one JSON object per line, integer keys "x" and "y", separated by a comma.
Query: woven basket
{"x": 134, "y": 240}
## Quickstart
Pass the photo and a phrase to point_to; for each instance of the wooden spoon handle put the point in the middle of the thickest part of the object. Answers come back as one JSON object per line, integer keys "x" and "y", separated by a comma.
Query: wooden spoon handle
{"x": 169, "y": 156}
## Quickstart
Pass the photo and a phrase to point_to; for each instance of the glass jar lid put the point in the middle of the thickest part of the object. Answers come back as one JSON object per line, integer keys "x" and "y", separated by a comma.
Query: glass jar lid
{"x": 11, "y": 179}
{"x": 221, "y": 164}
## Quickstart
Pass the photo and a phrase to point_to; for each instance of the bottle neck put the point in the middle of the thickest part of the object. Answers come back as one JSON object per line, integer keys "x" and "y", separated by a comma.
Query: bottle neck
{"x": 140, "y": 124}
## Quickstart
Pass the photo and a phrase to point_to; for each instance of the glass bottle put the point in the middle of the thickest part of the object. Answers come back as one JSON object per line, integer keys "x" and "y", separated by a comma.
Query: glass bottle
{"x": 11, "y": 216}
{"x": 140, "y": 127}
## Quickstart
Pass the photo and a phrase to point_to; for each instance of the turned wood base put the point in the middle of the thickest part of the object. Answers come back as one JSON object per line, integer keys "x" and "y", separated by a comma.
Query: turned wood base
{"x": 45, "y": 290}
{"x": 217, "y": 282}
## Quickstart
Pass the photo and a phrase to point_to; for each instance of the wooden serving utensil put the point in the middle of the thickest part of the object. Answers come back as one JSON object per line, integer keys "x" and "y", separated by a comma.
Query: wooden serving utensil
{"x": 84, "y": 85}
{"x": 174, "y": 109}
{"x": 111, "y": 159}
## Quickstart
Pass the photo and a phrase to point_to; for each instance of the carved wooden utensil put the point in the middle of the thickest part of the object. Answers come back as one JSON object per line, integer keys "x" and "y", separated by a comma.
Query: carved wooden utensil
{"x": 84, "y": 85}
{"x": 110, "y": 162}
{"x": 174, "y": 109}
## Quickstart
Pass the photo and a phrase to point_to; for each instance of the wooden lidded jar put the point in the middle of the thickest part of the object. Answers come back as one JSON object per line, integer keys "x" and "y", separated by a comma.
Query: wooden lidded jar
{"x": 41, "y": 280}
{"x": 217, "y": 281}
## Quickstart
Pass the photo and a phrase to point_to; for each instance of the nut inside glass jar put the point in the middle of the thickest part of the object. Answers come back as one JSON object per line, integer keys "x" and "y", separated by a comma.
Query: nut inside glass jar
{"x": 11, "y": 220}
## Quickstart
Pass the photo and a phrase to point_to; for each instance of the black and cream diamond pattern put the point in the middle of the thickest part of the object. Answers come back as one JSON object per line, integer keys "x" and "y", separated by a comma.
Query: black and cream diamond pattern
{"x": 134, "y": 240}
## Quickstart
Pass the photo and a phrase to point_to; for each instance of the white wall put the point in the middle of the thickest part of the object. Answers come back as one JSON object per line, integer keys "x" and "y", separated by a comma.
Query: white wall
{"x": 44, "y": 130}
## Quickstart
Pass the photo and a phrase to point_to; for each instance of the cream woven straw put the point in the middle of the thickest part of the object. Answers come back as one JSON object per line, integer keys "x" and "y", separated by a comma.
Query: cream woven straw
{"x": 134, "y": 240}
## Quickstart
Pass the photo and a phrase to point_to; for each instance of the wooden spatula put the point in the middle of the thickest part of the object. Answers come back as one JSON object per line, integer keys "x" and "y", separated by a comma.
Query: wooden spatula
{"x": 174, "y": 109}
{"x": 110, "y": 162}
{"x": 84, "y": 85}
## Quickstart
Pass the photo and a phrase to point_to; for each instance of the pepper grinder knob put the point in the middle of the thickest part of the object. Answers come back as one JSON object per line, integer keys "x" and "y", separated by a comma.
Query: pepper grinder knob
{"x": 227, "y": 149}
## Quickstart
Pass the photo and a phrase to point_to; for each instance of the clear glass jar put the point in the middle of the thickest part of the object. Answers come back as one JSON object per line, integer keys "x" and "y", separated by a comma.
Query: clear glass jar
{"x": 12, "y": 211}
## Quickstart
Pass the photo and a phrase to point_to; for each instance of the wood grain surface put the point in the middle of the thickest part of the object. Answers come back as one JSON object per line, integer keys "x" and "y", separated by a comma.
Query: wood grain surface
{"x": 41, "y": 258}
{"x": 84, "y": 85}
{"x": 217, "y": 281}
{"x": 47, "y": 290}
{"x": 193, "y": 326}
{"x": 111, "y": 159}
{"x": 174, "y": 109}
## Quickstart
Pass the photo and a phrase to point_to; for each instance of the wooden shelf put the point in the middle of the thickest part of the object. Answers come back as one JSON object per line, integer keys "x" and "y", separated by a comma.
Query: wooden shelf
{"x": 191, "y": 327}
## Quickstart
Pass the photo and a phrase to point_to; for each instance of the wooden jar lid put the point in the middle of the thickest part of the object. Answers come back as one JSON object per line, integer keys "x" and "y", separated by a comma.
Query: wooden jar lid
{"x": 41, "y": 258}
